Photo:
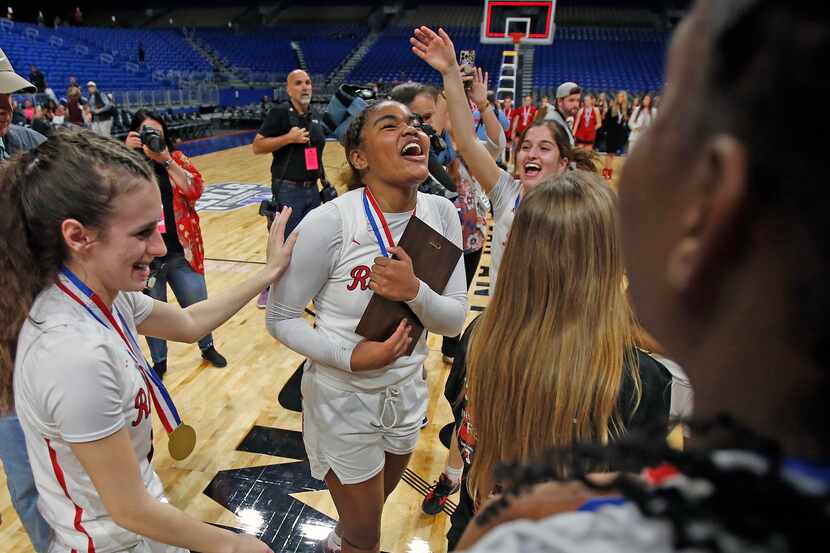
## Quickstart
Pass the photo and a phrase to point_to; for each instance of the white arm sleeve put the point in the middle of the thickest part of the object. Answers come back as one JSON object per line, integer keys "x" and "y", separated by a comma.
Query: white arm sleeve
{"x": 495, "y": 150}
{"x": 317, "y": 249}
{"x": 83, "y": 398}
{"x": 445, "y": 313}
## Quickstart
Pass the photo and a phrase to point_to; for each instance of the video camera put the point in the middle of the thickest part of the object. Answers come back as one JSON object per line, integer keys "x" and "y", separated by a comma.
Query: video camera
{"x": 350, "y": 100}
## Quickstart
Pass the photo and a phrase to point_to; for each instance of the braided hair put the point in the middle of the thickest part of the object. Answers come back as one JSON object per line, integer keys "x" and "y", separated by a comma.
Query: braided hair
{"x": 73, "y": 175}
{"x": 353, "y": 138}
{"x": 740, "y": 493}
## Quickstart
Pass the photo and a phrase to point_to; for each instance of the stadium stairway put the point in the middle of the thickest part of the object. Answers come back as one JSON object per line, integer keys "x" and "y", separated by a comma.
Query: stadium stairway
{"x": 351, "y": 62}
{"x": 208, "y": 53}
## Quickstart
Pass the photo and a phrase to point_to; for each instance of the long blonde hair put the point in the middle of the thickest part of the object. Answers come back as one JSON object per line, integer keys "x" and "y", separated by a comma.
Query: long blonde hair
{"x": 547, "y": 359}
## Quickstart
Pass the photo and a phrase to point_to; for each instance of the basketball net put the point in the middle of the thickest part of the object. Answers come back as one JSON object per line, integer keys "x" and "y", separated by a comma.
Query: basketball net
{"x": 517, "y": 38}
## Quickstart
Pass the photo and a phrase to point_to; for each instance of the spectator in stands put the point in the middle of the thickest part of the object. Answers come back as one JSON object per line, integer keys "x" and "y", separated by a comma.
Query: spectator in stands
{"x": 59, "y": 118}
{"x": 28, "y": 110}
{"x": 523, "y": 118}
{"x": 74, "y": 108}
{"x": 587, "y": 123}
{"x": 13, "y": 454}
{"x": 568, "y": 96}
{"x": 183, "y": 265}
{"x": 37, "y": 78}
{"x": 140, "y": 52}
{"x": 102, "y": 110}
{"x": 73, "y": 84}
{"x": 41, "y": 20}
{"x": 42, "y": 121}
{"x": 17, "y": 117}
{"x": 602, "y": 105}
{"x": 544, "y": 104}
{"x": 295, "y": 138}
{"x": 509, "y": 111}
{"x": 641, "y": 119}
{"x": 615, "y": 124}
{"x": 78, "y": 16}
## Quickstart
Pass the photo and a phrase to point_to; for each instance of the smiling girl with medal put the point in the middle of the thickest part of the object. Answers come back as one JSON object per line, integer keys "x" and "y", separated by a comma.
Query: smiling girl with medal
{"x": 543, "y": 147}
{"x": 82, "y": 229}
{"x": 364, "y": 402}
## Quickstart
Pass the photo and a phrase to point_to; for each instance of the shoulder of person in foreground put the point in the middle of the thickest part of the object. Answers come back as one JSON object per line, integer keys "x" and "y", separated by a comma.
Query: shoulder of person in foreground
{"x": 549, "y": 519}
{"x": 25, "y": 138}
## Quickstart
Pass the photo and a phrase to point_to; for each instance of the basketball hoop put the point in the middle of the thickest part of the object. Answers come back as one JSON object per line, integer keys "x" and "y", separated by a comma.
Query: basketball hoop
{"x": 516, "y": 38}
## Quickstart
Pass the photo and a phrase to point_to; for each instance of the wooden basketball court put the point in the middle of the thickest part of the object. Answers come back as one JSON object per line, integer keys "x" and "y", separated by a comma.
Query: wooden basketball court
{"x": 249, "y": 453}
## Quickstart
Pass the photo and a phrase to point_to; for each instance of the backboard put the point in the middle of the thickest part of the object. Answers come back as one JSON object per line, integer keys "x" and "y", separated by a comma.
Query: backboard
{"x": 533, "y": 18}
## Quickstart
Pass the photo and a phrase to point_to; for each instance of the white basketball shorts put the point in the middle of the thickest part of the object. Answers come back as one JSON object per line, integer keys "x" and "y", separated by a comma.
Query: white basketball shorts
{"x": 350, "y": 432}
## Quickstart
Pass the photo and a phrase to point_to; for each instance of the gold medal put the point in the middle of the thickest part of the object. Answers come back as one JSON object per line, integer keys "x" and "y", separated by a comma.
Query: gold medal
{"x": 181, "y": 442}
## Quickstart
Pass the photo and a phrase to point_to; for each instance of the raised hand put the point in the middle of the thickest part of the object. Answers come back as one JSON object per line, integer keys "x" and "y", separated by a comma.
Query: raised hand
{"x": 278, "y": 253}
{"x": 435, "y": 49}
{"x": 478, "y": 90}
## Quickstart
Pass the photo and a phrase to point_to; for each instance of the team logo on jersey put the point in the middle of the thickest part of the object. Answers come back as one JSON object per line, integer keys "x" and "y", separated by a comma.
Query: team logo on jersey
{"x": 142, "y": 406}
{"x": 360, "y": 277}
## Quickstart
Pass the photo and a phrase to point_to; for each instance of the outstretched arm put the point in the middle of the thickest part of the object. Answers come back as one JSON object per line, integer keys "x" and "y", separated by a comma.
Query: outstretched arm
{"x": 171, "y": 322}
{"x": 439, "y": 52}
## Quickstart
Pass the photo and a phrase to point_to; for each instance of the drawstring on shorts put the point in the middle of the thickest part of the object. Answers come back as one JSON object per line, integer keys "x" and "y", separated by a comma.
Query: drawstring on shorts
{"x": 391, "y": 395}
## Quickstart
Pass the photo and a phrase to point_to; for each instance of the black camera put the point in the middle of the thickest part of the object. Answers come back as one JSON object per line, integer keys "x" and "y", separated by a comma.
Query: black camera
{"x": 436, "y": 143}
{"x": 151, "y": 138}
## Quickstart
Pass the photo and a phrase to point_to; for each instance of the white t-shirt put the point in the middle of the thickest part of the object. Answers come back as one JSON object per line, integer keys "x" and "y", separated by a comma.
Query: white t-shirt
{"x": 612, "y": 529}
{"x": 75, "y": 382}
{"x": 331, "y": 265}
{"x": 503, "y": 198}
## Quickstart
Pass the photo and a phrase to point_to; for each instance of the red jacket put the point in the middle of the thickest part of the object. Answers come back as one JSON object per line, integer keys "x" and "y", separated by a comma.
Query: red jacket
{"x": 187, "y": 220}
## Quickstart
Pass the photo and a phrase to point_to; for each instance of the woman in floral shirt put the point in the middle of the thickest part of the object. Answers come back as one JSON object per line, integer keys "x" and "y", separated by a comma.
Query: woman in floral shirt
{"x": 183, "y": 266}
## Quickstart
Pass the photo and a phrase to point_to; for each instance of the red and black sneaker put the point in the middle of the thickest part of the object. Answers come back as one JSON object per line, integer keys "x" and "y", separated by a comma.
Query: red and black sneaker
{"x": 438, "y": 494}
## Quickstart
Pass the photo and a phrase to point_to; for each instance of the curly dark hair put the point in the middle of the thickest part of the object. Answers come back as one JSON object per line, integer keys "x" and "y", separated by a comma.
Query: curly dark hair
{"x": 73, "y": 175}
{"x": 352, "y": 140}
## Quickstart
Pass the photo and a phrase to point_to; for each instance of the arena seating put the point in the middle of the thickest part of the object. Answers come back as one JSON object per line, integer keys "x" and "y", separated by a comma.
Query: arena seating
{"x": 390, "y": 58}
{"x": 263, "y": 51}
{"x": 104, "y": 55}
{"x": 601, "y": 59}
{"x": 618, "y": 48}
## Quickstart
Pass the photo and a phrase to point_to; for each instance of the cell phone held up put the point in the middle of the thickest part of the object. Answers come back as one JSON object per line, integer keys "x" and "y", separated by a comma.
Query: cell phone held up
{"x": 467, "y": 62}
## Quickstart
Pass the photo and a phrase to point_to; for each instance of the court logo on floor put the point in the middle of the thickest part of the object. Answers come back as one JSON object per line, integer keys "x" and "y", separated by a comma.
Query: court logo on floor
{"x": 228, "y": 196}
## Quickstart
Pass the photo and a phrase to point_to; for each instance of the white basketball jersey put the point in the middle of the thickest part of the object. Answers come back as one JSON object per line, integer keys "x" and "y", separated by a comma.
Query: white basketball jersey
{"x": 75, "y": 382}
{"x": 343, "y": 299}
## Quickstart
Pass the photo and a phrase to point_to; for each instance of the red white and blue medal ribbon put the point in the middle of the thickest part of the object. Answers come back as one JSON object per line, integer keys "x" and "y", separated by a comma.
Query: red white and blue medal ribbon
{"x": 378, "y": 222}
{"x": 168, "y": 415}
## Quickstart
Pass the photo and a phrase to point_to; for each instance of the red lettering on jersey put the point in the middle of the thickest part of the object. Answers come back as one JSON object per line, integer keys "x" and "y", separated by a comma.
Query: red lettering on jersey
{"x": 142, "y": 406}
{"x": 361, "y": 275}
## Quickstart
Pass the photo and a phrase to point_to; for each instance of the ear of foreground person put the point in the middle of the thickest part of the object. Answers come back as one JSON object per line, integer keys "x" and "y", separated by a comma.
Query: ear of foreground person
{"x": 718, "y": 209}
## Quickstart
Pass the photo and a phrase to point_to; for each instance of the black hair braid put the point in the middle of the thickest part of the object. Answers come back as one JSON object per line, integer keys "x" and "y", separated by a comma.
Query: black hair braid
{"x": 351, "y": 140}
{"x": 748, "y": 497}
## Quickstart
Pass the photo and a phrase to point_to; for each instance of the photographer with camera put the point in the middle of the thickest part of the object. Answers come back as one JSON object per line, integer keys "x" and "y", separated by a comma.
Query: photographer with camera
{"x": 296, "y": 139}
{"x": 183, "y": 267}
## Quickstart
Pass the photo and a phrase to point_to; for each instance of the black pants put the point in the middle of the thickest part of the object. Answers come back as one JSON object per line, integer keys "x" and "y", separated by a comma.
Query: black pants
{"x": 449, "y": 346}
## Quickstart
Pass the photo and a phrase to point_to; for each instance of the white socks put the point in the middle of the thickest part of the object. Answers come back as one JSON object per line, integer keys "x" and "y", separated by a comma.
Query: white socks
{"x": 454, "y": 475}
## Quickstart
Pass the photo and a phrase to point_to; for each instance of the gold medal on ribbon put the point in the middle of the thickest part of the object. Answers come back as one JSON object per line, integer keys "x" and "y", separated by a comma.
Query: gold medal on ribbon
{"x": 181, "y": 442}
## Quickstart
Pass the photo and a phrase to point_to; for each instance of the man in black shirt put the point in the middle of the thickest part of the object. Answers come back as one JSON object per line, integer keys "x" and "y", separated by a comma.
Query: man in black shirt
{"x": 296, "y": 139}
{"x": 37, "y": 78}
